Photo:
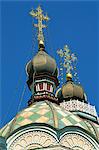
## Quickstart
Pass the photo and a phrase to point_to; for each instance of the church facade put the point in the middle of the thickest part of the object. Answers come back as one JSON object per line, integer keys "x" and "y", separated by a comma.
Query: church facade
{"x": 54, "y": 120}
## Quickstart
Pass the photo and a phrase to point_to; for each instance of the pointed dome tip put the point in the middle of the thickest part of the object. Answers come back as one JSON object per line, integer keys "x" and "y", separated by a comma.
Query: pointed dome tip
{"x": 41, "y": 45}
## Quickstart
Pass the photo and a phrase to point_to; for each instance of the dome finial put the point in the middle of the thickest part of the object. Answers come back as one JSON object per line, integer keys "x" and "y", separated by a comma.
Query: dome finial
{"x": 40, "y": 17}
{"x": 68, "y": 76}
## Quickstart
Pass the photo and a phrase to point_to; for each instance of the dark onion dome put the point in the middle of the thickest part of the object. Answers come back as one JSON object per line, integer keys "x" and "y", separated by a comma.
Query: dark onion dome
{"x": 42, "y": 62}
{"x": 71, "y": 90}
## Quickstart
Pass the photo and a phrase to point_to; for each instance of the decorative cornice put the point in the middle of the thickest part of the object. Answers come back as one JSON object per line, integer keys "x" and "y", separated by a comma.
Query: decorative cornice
{"x": 76, "y": 105}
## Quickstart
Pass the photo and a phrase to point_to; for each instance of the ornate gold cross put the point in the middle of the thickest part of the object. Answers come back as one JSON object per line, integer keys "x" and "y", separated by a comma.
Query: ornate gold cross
{"x": 69, "y": 61}
{"x": 40, "y": 17}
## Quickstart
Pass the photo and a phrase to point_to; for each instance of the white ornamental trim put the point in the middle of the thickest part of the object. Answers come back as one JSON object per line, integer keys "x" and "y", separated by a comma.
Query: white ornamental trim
{"x": 76, "y": 105}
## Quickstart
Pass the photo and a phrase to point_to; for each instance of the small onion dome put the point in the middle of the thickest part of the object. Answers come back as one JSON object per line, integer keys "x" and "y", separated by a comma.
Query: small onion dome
{"x": 71, "y": 90}
{"x": 42, "y": 62}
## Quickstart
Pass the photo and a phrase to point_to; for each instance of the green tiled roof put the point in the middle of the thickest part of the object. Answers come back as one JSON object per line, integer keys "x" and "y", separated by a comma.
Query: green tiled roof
{"x": 48, "y": 113}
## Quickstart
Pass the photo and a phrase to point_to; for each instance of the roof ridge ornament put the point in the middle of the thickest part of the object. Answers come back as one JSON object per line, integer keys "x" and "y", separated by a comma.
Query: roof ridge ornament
{"x": 40, "y": 17}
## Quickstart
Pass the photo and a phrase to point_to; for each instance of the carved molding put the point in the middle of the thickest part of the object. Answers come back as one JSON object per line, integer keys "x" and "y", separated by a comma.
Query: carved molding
{"x": 76, "y": 142}
{"x": 33, "y": 140}
{"x": 43, "y": 140}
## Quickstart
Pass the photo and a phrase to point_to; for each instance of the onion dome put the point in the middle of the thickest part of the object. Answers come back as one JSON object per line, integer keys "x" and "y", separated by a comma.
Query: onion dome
{"x": 42, "y": 63}
{"x": 47, "y": 114}
{"x": 42, "y": 69}
{"x": 70, "y": 90}
{"x": 42, "y": 66}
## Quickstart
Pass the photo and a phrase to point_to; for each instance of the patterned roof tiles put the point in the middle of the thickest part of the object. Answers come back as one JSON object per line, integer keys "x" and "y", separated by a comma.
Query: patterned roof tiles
{"x": 48, "y": 113}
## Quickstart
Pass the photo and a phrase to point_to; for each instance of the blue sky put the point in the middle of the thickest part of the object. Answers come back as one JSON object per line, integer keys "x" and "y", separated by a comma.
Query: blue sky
{"x": 73, "y": 23}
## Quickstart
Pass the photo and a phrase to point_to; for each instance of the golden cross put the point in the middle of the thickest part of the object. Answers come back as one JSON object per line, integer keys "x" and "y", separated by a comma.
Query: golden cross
{"x": 40, "y": 17}
{"x": 69, "y": 61}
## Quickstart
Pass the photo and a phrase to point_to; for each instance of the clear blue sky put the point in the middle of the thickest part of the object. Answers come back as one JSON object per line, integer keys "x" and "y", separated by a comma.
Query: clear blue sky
{"x": 72, "y": 23}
